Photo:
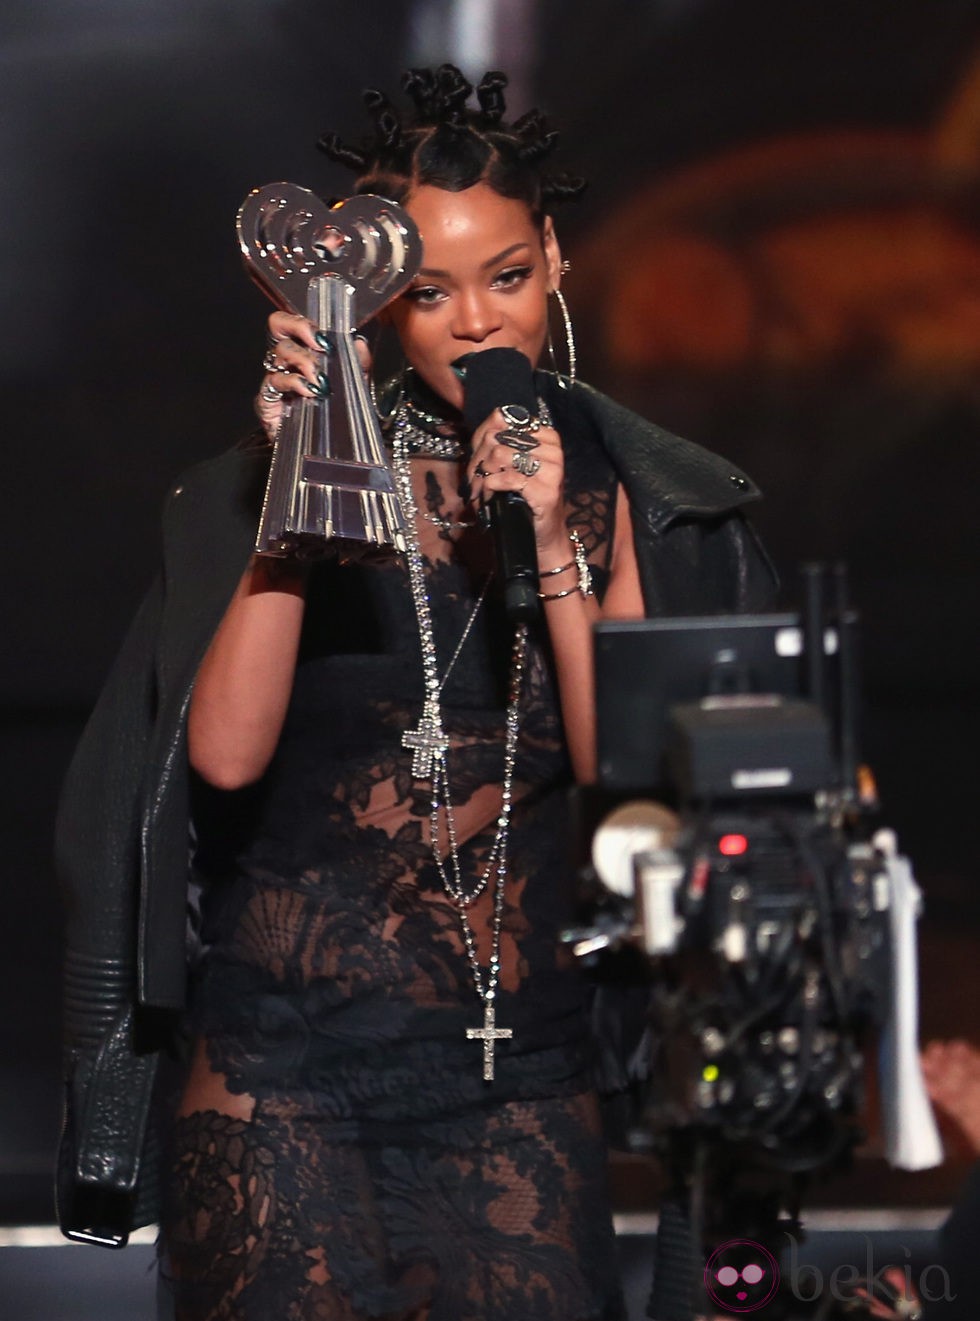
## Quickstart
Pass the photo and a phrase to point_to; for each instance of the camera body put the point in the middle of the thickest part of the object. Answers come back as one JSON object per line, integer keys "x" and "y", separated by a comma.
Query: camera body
{"x": 776, "y": 968}
{"x": 729, "y": 862}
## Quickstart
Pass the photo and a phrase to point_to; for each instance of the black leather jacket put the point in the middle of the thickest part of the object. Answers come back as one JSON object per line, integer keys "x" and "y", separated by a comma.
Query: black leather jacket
{"x": 122, "y": 834}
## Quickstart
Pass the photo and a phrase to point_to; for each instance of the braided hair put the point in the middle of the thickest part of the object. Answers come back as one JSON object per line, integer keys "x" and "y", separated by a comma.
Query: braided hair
{"x": 446, "y": 144}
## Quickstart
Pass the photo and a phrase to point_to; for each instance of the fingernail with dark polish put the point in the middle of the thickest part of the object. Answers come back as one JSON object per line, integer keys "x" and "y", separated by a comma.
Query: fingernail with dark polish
{"x": 324, "y": 341}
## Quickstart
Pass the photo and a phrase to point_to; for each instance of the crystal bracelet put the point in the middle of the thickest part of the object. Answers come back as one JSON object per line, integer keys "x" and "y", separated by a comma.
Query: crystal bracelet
{"x": 584, "y": 584}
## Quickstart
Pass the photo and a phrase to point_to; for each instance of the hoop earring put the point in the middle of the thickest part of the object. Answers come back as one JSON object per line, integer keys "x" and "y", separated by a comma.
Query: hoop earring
{"x": 394, "y": 376}
{"x": 567, "y": 381}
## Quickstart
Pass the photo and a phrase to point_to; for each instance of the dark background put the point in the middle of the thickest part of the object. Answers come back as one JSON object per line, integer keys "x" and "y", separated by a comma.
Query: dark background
{"x": 778, "y": 255}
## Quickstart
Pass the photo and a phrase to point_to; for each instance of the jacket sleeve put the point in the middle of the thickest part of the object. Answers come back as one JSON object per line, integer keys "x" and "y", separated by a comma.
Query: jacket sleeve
{"x": 107, "y": 1079}
{"x": 122, "y": 852}
{"x": 696, "y": 552}
{"x": 704, "y": 567}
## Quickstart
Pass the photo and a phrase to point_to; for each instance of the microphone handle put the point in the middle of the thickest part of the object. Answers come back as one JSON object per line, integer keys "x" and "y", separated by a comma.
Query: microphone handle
{"x": 494, "y": 377}
{"x": 512, "y": 525}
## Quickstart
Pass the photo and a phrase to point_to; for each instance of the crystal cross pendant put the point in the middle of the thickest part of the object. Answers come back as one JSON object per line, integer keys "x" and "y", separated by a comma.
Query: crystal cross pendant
{"x": 426, "y": 741}
{"x": 489, "y": 1034}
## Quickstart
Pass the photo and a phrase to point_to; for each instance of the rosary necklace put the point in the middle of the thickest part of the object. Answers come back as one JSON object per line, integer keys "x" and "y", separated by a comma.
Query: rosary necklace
{"x": 429, "y": 745}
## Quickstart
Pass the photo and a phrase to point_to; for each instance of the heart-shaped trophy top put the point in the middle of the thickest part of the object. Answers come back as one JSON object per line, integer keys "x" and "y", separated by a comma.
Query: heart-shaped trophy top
{"x": 290, "y": 237}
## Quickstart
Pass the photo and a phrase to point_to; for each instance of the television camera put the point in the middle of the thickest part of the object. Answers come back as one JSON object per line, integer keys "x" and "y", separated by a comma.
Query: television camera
{"x": 735, "y": 909}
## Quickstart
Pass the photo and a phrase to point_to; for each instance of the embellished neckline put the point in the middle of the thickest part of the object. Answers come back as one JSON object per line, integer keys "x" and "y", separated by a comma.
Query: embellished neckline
{"x": 426, "y": 429}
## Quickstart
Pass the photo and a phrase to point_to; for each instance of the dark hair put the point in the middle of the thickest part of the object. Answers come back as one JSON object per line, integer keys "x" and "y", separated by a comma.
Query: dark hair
{"x": 448, "y": 145}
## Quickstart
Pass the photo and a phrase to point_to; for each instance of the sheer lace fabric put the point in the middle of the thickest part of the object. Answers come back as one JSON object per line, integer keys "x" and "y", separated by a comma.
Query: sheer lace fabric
{"x": 344, "y": 1158}
{"x": 493, "y": 1215}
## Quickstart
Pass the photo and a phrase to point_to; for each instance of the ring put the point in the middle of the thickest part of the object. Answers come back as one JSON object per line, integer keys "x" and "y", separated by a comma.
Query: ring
{"x": 480, "y": 471}
{"x": 517, "y": 440}
{"x": 525, "y": 463}
{"x": 270, "y": 395}
{"x": 272, "y": 364}
{"x": 519, "y": 417}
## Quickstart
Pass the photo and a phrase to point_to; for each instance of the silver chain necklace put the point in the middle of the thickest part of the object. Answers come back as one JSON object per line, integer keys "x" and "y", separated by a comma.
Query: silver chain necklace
{"x": 429, "y": 747}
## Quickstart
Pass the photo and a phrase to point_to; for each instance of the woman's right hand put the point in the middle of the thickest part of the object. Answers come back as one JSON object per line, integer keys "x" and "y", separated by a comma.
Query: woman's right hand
{"x": 293, "y": 363}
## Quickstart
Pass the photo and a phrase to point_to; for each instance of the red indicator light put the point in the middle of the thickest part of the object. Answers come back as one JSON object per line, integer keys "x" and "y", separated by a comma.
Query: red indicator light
{"x": 732, "y": 846}
{"x": 700, "y": 874}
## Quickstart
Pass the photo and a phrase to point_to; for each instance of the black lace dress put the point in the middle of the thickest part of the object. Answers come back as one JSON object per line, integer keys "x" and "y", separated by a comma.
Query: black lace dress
{"x": 340, "y": 1155}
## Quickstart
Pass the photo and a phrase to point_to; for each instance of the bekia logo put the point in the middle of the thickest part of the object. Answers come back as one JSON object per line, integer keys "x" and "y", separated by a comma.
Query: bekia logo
{"x": 741, "y": 1275}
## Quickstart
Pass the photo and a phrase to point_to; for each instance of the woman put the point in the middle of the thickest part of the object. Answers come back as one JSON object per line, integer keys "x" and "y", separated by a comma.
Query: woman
{"x": 388, "y": 1110}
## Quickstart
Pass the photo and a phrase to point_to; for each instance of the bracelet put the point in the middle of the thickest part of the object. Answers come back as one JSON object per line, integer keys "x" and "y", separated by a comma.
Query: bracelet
{"x": 550, "y": 573}
{"x": 584, "y": 584}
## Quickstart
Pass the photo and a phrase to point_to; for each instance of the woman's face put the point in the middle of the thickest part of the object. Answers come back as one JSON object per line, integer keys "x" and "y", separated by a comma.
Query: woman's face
{"x": 484, "y": 282}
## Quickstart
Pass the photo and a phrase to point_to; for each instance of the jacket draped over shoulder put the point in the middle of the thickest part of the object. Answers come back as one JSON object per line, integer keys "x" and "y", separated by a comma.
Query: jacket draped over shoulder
{"x": 122, "y": 839}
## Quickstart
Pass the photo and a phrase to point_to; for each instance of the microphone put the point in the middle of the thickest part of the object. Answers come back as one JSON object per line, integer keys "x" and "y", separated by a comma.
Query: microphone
{"x": 494, "y": 377}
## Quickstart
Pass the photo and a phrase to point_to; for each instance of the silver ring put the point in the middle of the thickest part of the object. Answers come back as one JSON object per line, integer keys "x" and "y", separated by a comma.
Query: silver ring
{"x": 519, "y": 418}
{"x": 525, "y": 463}
{"x": 480, "y": 471}
{"x": 270, "y": 395}
{"x": 272, "y": 364}
{"x": 517, "y": 440}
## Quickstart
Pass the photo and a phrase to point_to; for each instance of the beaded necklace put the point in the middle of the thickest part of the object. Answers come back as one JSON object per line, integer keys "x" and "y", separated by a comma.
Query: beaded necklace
{"x": 429, "y": 746}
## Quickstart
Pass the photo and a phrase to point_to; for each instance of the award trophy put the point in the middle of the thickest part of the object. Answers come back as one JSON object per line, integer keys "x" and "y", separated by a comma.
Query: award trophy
{"x": 338, "y": 266}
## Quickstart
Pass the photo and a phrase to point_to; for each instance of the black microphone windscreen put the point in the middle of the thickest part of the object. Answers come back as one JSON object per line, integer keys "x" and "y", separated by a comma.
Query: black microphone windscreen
{"x": 495, "y": 377}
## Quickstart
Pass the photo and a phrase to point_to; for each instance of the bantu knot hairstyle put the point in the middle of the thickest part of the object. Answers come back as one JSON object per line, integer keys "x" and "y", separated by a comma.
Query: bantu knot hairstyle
{"x": 444, "y": 142}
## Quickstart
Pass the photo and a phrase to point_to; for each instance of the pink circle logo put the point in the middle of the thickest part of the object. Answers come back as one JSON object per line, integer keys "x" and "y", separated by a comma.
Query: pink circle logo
{"x": 741, "y": 1275}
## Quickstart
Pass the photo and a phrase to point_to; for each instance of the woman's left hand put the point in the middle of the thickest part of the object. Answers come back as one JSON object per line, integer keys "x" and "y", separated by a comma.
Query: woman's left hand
{"x": 533, "y": 465}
